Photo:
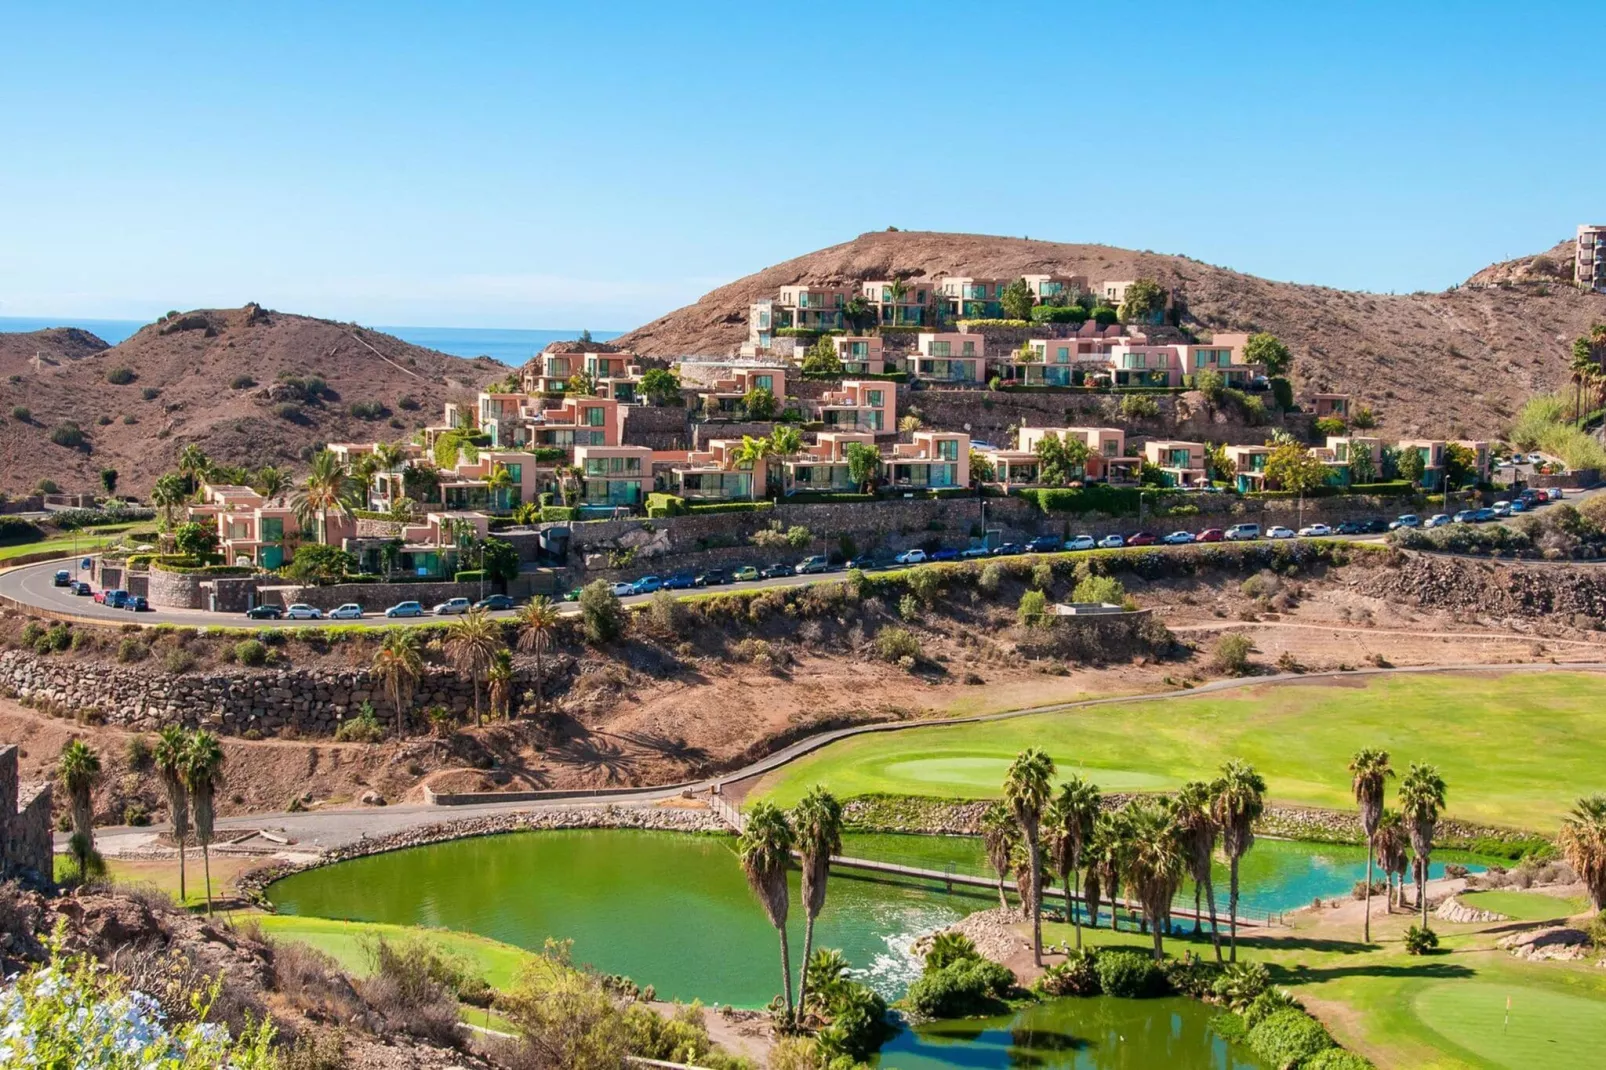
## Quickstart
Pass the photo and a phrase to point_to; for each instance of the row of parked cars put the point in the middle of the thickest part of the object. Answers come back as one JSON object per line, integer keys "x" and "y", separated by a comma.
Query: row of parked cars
{"x": 354, "y": 611}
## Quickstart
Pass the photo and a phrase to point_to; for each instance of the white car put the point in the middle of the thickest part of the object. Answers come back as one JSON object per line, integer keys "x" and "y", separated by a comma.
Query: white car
{"x": 1277, "y": 531}
{"x": 349, "y": 611}
{"x": 451, "y": 605}
{"x": 1111, "y": 542}
{"x": 1178, "y": 538}
{"x": 911, "y": 557}
{"x": 1437, "y": 520}
{"x": 1081, "y": 542}
{"x": 620, "y": 590}
{"x": 1315, "y": 531}
{"x": 302, "y": 611}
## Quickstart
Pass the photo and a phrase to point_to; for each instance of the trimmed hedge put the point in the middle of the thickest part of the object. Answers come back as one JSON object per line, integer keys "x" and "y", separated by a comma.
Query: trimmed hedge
{"x": 820, "y": 497}
{"x": 831, "y": 377}
{"x": 729, "y": 507}
{"x": 1392, "y": 488}
{"x": 472, "y": 575}
{"x": 557, "y": 514}
{"x": 203, "y": 570}
{"x": 993, "y": 323}
{"x": 1059, "y": 314}
{"x": 660, "y": 504}
{"x": 1093, "y": 498}
{"x": 544, "y": 454}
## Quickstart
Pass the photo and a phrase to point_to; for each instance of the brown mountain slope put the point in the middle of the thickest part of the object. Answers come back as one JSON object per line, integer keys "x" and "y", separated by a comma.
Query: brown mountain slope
{"x": 190, "y": 365}
{"x": 1462, "y": 361}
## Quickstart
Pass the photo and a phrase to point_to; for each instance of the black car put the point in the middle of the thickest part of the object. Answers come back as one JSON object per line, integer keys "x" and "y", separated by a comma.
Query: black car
{"x": 1351, "y": 527}
{"x": 494, "y": 601}
{"x": 713, "y": 577}
{"x": 775, "y": 572}
{"x": 264, "y": 612}
{"x": 1375, "y": 525}
{"x": 79, "y": 587}
{"x": 1044, "y": 544}
{"x": 864, "y": 564}
{"x": 1009, "y": 549}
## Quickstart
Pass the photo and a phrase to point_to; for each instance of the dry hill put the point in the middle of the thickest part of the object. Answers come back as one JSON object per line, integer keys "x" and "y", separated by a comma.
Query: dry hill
{"x": 219, "y": 378}
{"x": 1463, "y": 360}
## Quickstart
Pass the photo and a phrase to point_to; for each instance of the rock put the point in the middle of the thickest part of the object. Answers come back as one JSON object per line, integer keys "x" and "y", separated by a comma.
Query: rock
{"x": 1454, "y": 910}
{"x": 1552, "y": 942}
{"x": 372, "y": 798}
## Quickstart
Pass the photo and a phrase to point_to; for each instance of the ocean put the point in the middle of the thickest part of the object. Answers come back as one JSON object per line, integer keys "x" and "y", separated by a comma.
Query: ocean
{"x": 510, "y": 346}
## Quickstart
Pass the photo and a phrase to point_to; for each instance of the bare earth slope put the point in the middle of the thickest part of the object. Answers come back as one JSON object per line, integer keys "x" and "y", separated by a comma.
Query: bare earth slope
{"x": 1459, "y": 361}
{"x": 191, "y": 363}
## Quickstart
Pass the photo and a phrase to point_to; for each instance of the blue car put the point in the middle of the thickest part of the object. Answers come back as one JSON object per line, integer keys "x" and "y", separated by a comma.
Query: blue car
{"x": 945, "y": 554}
{"x": 681, "y": 581}
{"x": 1043, "y": 544}
{"x": 136, "y": 603}
{"x": 646, "y": 585}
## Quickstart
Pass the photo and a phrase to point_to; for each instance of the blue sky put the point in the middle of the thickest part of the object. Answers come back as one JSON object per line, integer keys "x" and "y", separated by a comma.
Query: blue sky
{"x": 529, "y": 165}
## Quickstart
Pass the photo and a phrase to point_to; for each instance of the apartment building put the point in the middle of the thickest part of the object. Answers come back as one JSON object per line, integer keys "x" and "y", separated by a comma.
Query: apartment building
{"x": 1135, "y": 364}
{"x": 860, "y": 354}
{"x": 714, "y": 474}
{"x": 968, "y": 297}
{"x": 859, "y": 406}
{"x": 433, "y": 547}
{"x": 1223, "y": 355}
{"x": 613, "y": 475}
{"x": 253, "y": 530}
{"x": 724, "y": 392}
{"x": 953, "y": 357}
{"x": 898, "y": 302}
{"x": 578, "y": 420}
{"x": 823, "y": 467}
{"x": 935, "y": 459}
{"x": 1065, "y": 361}
{"x": 467, "y": 486}
{"x": 1331, "y": 405}
{"x": 1048, "y": 288}
{"x": 810, "y": 307}
{"x": 760, "y": 327}
{"x": 1181, "y": 464}
{"x": 1589, "y": 260}
{"x": 1431, "y": 450}
{"x": 1249, "y": 464}
{"x": 1109, "y": 460}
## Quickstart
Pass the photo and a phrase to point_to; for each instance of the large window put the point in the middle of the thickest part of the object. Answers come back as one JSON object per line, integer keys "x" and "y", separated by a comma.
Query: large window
{"x": 948, "y": 449}
{"x": 874, "y": 398}
{"x": 941, "y": 349}
{"x": 764, "y": 382}
{"x": 272, "y": 529}
{"x": 594, "y": 415}
{"x": 969, "y": 349}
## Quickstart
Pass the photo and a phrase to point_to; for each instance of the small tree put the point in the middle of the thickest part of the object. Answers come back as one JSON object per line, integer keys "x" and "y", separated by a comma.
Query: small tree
{"x": 1017, "y": 299}
{"x": 499, "y": 560}
{"x": 821, "y": 358}
{"x": 1061, "y": 460}
{"x": 1033, "y": 604}
{"x": 1217, "y": 463}
{"x": 79, "y": 771}
{"x": 659, "y": 387}
{"x": 864, "y": 462}
{"x": 759, "y": 404}
{"x": 1264, "y": 348}
{"x": 108, "y": 480}
{"x": 320, "y": 564}
{"x": 1409, "y": 464}
{"x": 1361, "y": 468}
{"x": 601, "y": 613}
{"x": 1143, "y": 299}
{"x": 195, "y": 539}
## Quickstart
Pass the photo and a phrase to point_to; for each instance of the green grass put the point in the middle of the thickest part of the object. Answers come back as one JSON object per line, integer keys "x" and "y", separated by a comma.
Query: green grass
{"x": 66, "y": 544}
{"x": 345, "y": 942}
{"x": 1525, "y": 906}
{"x": 1299, "y": 736}
{"x": 1545, "y": 1028}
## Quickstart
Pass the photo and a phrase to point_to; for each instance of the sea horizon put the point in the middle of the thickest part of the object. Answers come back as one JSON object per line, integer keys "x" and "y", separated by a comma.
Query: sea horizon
{"x": 508, "y": 345}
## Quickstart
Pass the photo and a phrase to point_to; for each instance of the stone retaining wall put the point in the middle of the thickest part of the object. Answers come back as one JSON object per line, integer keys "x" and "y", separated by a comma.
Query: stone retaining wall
{"x": 25, "y": 829}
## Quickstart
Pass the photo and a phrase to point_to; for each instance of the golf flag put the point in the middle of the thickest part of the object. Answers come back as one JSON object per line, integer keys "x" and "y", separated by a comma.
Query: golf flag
{"x": 1507, "y": 1023}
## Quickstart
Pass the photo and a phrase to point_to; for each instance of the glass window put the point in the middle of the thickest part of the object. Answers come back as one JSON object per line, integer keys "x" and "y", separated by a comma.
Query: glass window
{"x": 970, "y": 349}
{"x": 764, "y": 382}
{"x": 941, "y": 349}
{"x": 1062, "y": 354}
{"x": 948, "y": 449}
{"x": 272, "y": 529}
{"x": 516, "y": 472}
{"x": 592, "y": 416}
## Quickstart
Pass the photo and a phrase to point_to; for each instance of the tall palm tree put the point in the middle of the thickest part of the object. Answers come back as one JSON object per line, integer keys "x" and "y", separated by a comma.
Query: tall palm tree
{"x": 1155, "y": 862}
{"x": 168, "y": 494}
{"x": 538, "y": 623}
{"x": 170, "y": 755}
{"x": 999, "y": 835}
{"x": 786, "y": 442}
{"x": 817, "y": 820}
{"x": 400, "y": 666}
{"x": 499, "y": 482}
{"x": 78, "y": 768}
{"x": 1108, "y": 850}
{"x": 327, "y": 489}
{"x": 193, "y": 465}
{"x": 1391, "y": 845}
{"x": 1583, "y": 845}
{"x": 1027, "y": 788}
{"x": 751, "y": 453}
{"x": 1369, "y": 775}
{"x": 1239, "y": 799}
{"x": 500, "y": 679}
{"x": 1421, "y": 801}
{"x": 1070, "y": 821}
{"x": 472, "y": 642}
{"x": 390, "y": 455}
{"x": 361, "y": 478}
{"x": 899, "y": 290}
{"x": 203, "y": 776}
{"x": 270, "y": 482}
{"x": 765, "y": 848}
{"x": 1197, "y": 824}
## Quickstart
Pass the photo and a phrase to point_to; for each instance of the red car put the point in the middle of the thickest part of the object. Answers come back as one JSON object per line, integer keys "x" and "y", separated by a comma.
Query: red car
{"x": 1141, "y": 538}
{"x": 1211, "y": 535}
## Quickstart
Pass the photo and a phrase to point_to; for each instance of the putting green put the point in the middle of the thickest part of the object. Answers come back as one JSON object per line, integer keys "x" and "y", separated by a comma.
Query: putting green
{"x": 983, "y": 775}
{"x": 1545, "y": 1028}
{"x": 1525, "y": 906}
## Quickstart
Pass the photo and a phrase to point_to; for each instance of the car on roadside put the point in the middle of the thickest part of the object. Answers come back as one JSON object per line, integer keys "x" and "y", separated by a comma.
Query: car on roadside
{"x": 61, "y": 579}
{"x": 302, "y": 611}
{"x": 1405, "y": 520}
{"x": 1111, "y": 542}
{"x": 348, "y": 611}
{"x": 495, "y": 601}
{"x": 1375, "y": 525}
{"x": 115, "y": 598}
{"x": 812, "y": 565}
{"x": 1350, "y": 527}
{"x": 623, "y": 589}
{"x": 680, "y": 581}
{"x": 1315, "y": 531}
{"x": 863, "y": 563}
{"x": 1465, "y": 516}
{"x": 713, "y": 577}
{"x": 1519, "y": 505}
{"x": 405, "y": 609}
{"x": 1554, "y": 494}
{"x": 1178, "y": 538}
{"x": 1010, "y": 549}
{"x": 1277, "y": 531}
{"x": 265, "y": 611}
{"x": 1502, "y": 508}
{"x": 948, "y": 553}
{"x": 1141, "y": 538}
{"x": 1517, "y": 458}
{"x": 136, "y": 603}
{"x": 1243, "y": 533}
{"x": 1210, "y": 535}
{"x": 745, "y": 574}
{"x": 646, "y": 585}
{"x": 776, "y": 571}
{"x": 1081, "y": 542}
{"x": 451, "y": 607}
{"x": 1043, "y": 544}
{"x": 911, "y": 557}
{"x": 79, "y": 587}
{"x": 1437, "y": 520}
{"x": 573, "y": 594}
{"x": 976, "y": 551}
{"x": 1483, "y": 516}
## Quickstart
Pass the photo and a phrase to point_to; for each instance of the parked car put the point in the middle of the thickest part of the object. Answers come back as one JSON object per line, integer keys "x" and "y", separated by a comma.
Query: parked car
{"x": 62, "y": 578}
{"x": 451, "y": 606}
{"x": 775, "y": 572}
{"x": 814, "y": 564}
{"x": 622, "y": 589}
{"x": 265, "y": 611}
{"x": 491, "y": 601}
{"x": 713, "y": 577}
{"x": 1010, "y": 549}
{"x": 137, "y": 604}
{"x": 646, "y": 585}
{"x": 948, "y": 553}
{"x": 911, "y": 557}
{"x": 1277, "y": 531}
{"x": 1465, "y": 516}
{"x": 302, "y": 611}
{"x": 1554, "y": 494}
{"x": 1375, "y": 525}
{"x": 405, "y": 609}
{"x": 1437, "y": 520}
{"x": 573, "y": 594}
{"x": 1350, "y": 527}
{"x": 1502, "y": 508}
{"x": 1407, "y": 520}
{"x": 977, "y": 551}
{"x": 864, "y": 563}
{"x": 745, "y": 574}
{"x": 1111, "y": 542}
{"x": 1243, "y": 533}
{"x": 1141, "y": 538}
{"x": 1517, "y": 458}
{"x": 1043, "y": 544}
{"x": 1178, "y": 538}
{"x": 349, "y": 611}
{"x": 1483, "y": 516}
{"x": 114, "y": 598}
{"x": 1519, "y": 505}
{"x": 79, "y": 587}
{"x": 1210, "y": 535}
{"x": 681, "y": 581}
{"x": 1315, "y": 531}
{"x": 1081, "y": 542}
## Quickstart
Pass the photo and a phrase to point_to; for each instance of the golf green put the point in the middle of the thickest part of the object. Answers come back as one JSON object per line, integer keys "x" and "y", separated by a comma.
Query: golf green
{"x": 1525, "y": 906}
{"x": 1542, "y": 1028}
{"x": 1516, "y": 749}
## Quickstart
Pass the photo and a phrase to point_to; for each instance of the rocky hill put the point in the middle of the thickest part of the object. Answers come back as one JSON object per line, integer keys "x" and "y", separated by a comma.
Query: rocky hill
{"x": 1460, "y": 361}
{"x": 241, "y": 382}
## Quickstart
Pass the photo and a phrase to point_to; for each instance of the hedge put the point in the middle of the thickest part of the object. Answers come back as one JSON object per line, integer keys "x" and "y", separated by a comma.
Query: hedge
{"x": 557, "y": 514}
{"x": 1059, "y": 314}
{"x": 161, "y": 565}
{"x": 665, "y": 505}
{"x": 1393, "y": 488}
{"x": 727, "y": 507}
{"x": 816, "y": 497}
{"x": 549, "y": 453}
{"x": 1093, "y": 498}
{"x": 14, "y": 531}
{"x": 994, "y": 323}
{"x": 472, "y": 575}
{"x": 800, "y": 332}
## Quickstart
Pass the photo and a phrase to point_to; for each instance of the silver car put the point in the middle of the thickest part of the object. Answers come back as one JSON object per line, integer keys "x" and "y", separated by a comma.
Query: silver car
{"x": 451, "y": 605}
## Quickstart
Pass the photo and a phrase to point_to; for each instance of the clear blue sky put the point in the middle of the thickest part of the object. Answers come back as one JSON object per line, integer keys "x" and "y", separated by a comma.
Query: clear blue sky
{"x": 597, "y": 164}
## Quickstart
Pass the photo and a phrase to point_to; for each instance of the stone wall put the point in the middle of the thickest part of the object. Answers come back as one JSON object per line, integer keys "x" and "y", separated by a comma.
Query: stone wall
{"x": 662, "y": 428}
{"x": 25, "y": 829}
{"x": 174, "y": 590}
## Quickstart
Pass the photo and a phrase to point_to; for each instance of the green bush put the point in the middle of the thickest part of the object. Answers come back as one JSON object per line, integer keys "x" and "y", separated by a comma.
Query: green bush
{"x": 1093, "y": 498}
{"x": 250, "y": 652}
{"x": 1336, "y": 1059}
{"x": 1240, "y": 982}
{"x": 242, "y": 382}
{"x": 1232, "y": 653}
{"x": 369, "y": 410}
{"x": 1288, "y": 1038}
{"x": 131, "y": 650}
{"x": 824, "y": 498}
{"x": 665, "y": 505}
{"x": 14, "y": 530}
{"x": 727, "y": 507}
{"x": 472, "y": 575}
{"x": 1130, "y": 975}
{"x": 601, "y": 612}
{"x": 1282, "y": 392}
{"x": 364, "y": 728}
{"x": 557, "y": 514}
{"x": 1033, "y": 604}
{"x": 1078, "y": 975}
{"x": 948, "y": 948}
{"x": 1059, "y": 314}
{"x": 120, "y": 376}
{"x": 894, "y": 644}
{"x": 1420, "y": 941}
{"x": 68, "y": 434}
{"x": 1099, "y": 589}
{"x": 973, "y": 986}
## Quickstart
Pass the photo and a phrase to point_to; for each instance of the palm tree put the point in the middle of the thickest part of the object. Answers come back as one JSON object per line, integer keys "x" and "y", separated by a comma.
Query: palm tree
{"x": 361, "y": 475}
{"x": 567, "y": 479}
{"x": 1109, "y": 849}
{"x": 1197, "y": 825}
{"x": 752, "y": 452}
{"x": 537, "y": 624}
{"x": 1391, "y": 844}
{"x": 500, "y": 678}
{"x": 79, "y": 771}
{"x": 168, "y": 494}
{"x": 1239, "y": 799}
{"x": 765, "y": 848}
{"x": 898, "y": 291}
{"x": 193, "y": 465}
{"x": 1070, "y": 822}
{"x": 1583, "y": 845}
{"x": 169, "y": 756}
{"x": 472, "y": 642}
{"x": 400, "y": 666}
{"x": 817, "y": 820}
{"x": 1369, "y": 771}
{"x": 326, "y": 489}
{"x": 203, "y": 776}
{"x": 786, "y": 442}
{"x": 1421, "y": 801}
{"x": 1155, "y": 862}
{"x": 999, "y": 834}
{"x": 390, "y": 455}
{"x": 499, "y": 482}
{"x": 270, "y": 482}
{"x": 1027, "y": 788}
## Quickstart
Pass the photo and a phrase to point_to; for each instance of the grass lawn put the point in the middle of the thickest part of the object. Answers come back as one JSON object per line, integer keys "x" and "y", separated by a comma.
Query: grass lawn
{"x": 1525, "y": 906}
{"x": 346, "y": 943}
{"x": 1515, "y": 750}
{"x": 88, "y": 540}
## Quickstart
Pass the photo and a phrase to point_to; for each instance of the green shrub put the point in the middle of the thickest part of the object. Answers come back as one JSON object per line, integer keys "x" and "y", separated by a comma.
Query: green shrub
{"x": 1232, "y": 653}
{"x": 948, "y": 948}
{"x": 601, "y": 613}
{"x": 364, "y": 728}
{"x": 973, "y": 986}
{"x": 242, "y": 382}
{"x": 1420, "y": 941}
{"x": 1288, "y": 1038}
{"x": 1130, "y": 975}
{"x": 250, "y": 652}
{"x": 59, "y": 637}
{"x": 472, "y": 575}
{"x": 557, "y": 514}
{"x": 1059, "y": 314}
{"x": 1139, "y": 407}
{"x": 68, "y": 434}
{"x": 1240, "y": 982}
{"x": 1078, "y": 975}
{"x": 1271, "y": 1001}
{"x": 1033, "y": 604}
{"x": 1094, "y": 498}
{"x": 120, "y": 376}
{"x": 665, "y": 505}
{"x": 1099, "y": 589}
{"x": 1336, "y": 1059}
{"x": 894, "y": 644}
{"x": 178, "y": 661}
{"x": 728, "y": 507}
{"x": 21, "y": 413}
{"x": 369, "y": 410}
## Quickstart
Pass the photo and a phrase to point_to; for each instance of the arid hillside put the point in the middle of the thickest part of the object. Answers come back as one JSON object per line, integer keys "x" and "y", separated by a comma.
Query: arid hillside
{"x": 1460, "y": 361}
{"x": 233, "y": 380}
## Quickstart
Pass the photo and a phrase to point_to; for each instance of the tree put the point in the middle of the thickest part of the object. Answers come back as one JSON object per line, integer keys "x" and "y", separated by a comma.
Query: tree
{"x": 581, "y": 384}
{"x": 898, "y": 291}
{"x": 472, "y": 642}
{"x": 1217, "y": 463}
{"x": 500, "y": 560}
{"x": 1264, "y": 348}
{"x": 1391, "y": 854}
{"x": 1061, "y": 460}
{"x": 320, "y": 564}
{"x": 1583, "y": 844}
{"x": 326, "y": 489}
{"x": 1197, "y": 827}
{"x": 817, "y": 821}
{"x": 168, "y": 494}
{"x": 857, "y": 314}
{"x": 78, "y": 769}
{"x": 1108, "y": 862}
{"x": 864, "y": 463}
{"x": 270, "y": 482}
{"x": 786, "y": 442}
{"x": 1239, "y": 799}
{"x": 1460, "y": 465}
{"x": 1143, "y": 299}
{"x": 108, "y": 481}
{"x": 169, "y": 757}
{"x": 1421, "y": 802}
{"x": 1070, "y": 827}
{"x": 499, "y": 482}
{"x": 765, "y": 848}
{"x": 759, "y": 403}
{"x": 1369, "y": 775}
{"x": 400, "y": 666}
{"x": 999, "y": 837}
{"x": 1582, "y": 368}
{"x": 195, "y": 539}
{"x": 1154, "y": 862}
{"x": 658, "y": 386}
{"x": 981, "y": 467}
{"x": 388, "y": 456}
{"x": 1409, "y": 464}
{"x": 1017, "y": 299}
{"x": 1027, "y": 788}
{"x": 203, "y": 776}
{"x": 537, "y": 624}
{"x": 821, "y": 358}
{"x": 193, "y": 465}
{"x": 601, "y": 613}
{"x": 500, "y": 678}
{"x": 1293, "y": 468}
{"x": 1361, "y": 468}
